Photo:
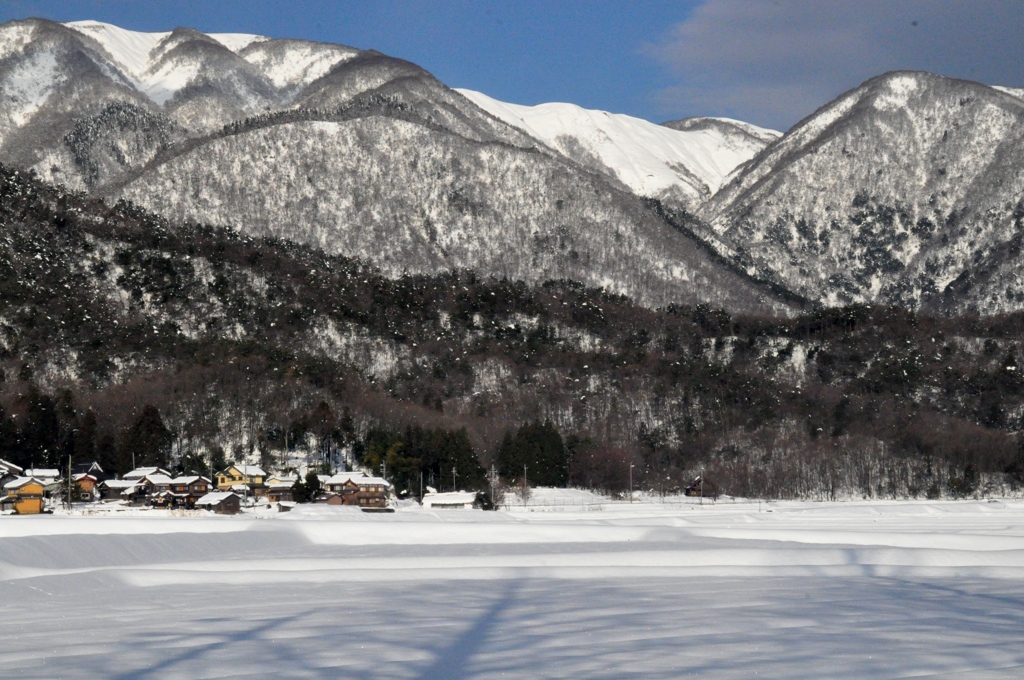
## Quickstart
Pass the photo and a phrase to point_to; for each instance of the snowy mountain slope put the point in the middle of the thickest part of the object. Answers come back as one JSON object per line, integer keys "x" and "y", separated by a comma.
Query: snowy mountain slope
{"x": 1015, "y": 91}
{"x": 891, "y": 193}
{"x": 682, "y": 165}
{"x": 352, "y": 151}
{"x": 412, "y": 198}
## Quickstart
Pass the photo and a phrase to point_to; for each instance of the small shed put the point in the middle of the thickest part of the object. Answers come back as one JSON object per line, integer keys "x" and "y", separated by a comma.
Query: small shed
{"x": 221, "y": 502}
{"x": 702, "y": 487}
{"x": 455, "y": 500}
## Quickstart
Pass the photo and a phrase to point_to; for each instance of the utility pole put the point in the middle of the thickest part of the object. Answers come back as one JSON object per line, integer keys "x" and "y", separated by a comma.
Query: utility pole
{"x": 69, "y": 484}
{"x": 455, "y": 486}
{"x": 702, "y": 486}
{"x": 630, "y": 482}
{"x": 384, "y": 470}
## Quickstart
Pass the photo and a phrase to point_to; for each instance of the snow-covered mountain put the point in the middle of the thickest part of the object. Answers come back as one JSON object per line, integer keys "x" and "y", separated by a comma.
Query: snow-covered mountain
{"x": 906, "y": 190}
{"x": 352, "y": 151}
{"x": 682, "y": 162}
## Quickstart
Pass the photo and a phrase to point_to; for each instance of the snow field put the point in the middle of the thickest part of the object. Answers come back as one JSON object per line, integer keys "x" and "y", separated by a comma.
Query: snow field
{"x": 796, "y": 590}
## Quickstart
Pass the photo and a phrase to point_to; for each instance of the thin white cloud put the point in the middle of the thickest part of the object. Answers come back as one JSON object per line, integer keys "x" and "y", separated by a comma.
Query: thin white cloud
{"x": 774, "y": 62}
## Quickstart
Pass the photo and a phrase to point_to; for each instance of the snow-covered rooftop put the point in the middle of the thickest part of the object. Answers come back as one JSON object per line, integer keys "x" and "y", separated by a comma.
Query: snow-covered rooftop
{"x": 215, "y": 497}
{"x": 19, "y": 482}
{"x": 139, "y": 473}
{"x": 449, "y": 498}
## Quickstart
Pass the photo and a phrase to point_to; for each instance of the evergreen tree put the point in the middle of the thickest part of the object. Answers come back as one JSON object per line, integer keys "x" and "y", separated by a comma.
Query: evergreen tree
{"x": 148, "y": 439}
{"x": 106, "y": 454}
{"x": 85, "y": 438}
{"x": 41, "y": 431}
{"x": 313, "y": 485}
{"x": 539, "y": 447}
{"x": 10, "y": 439}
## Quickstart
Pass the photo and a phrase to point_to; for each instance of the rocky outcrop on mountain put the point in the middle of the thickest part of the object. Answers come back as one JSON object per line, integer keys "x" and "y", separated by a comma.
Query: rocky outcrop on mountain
{"x": 902, "y": 191}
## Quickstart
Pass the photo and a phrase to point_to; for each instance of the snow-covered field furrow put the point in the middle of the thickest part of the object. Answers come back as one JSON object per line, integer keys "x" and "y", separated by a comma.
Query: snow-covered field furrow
{"x": 730, "y": 590}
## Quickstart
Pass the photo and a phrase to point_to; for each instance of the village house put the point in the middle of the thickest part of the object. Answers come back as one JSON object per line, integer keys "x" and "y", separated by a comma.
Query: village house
{"x": 701, "y": 487}
{"x": 280, "y": 490}
{"x": 139, "y": 473}
{"x": 248, "y": 478}
{"x": 155, "y": 483}
{"x": 185, "y": 491}
{"x": 86, "y": 485}
{"x": 9, "y": 472}
{"x": 118, "y": 489}
{"x": 355, "y": 488}
{"x": 25, "y": 495}
{"x": 90, "y": 467}
{"x": 221, "y": 502}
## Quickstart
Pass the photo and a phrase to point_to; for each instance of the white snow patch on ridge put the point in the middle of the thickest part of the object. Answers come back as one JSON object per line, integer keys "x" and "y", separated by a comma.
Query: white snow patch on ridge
{"x": 647, "y": 158}
{"x": 134, "y": 52}
{"x": 1017, "y": 92}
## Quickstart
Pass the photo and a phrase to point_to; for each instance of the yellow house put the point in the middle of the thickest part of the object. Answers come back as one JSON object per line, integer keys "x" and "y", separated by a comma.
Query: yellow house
{"x": 251, "y": 476}
{"x": 25, "y": 495}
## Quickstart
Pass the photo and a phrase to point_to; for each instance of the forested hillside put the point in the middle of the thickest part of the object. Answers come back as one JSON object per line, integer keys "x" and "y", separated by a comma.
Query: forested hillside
{"x": 122, "y": 333}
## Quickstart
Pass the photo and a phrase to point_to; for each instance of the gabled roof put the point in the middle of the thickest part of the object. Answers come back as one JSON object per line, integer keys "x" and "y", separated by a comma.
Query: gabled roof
{"x": 88, "y": 466}
{"x": 42, "y": 473}
{"x": 9, "y": 467}
{"x": 139, "y": 473}
{"x": 247, "y": 470}
{"x": 215, "y": 497}
{"x": 189, "y": 480}
{"x": 19, "y": 482}
{"x": 82, "y": 475}
{"x": 120, "y": 483}
{"x": 368, "y": 481}
{"x": 282, "y": 484}
{"x": 158, "y": 479}
{"x": 343, "y": 477}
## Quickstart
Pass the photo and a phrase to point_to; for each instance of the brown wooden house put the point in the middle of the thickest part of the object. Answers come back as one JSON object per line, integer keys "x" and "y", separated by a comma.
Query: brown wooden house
{"x": 187, "y": 490}
{"x": 355, "y": 489}
{"x": 221, "y": 502}
{"x": 702, "y": 486}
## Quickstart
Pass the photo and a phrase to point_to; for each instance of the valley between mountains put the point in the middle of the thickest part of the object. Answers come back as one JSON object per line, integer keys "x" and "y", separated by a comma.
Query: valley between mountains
{"x": 292, "y": 248}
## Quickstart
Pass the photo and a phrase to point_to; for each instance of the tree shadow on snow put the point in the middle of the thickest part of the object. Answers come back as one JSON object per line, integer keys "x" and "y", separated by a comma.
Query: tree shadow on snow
{"x": 453, "y": 661}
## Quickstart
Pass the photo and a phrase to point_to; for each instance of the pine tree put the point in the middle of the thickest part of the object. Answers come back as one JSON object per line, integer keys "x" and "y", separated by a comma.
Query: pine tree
{"x": 148, "y": 439}
{"x": 538, "y": 447}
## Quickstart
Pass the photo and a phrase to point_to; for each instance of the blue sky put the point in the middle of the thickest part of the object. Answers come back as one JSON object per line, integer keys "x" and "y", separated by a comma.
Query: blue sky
{"x": 768, "y": 62}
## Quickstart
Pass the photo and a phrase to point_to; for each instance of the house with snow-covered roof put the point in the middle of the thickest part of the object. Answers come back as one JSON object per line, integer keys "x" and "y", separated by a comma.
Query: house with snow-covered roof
{"x": 250, "y": 476}
{"x": 90, "y": 467}
{"x": 355, "y": 488}
{"x": 279, "y": 490}
{"x": 120, "y": 489}
{"x": 188, "y": 489}
{"x": 139, "y": 473}
{"x": 221, "y": 502}
{"x": 87, "y": 486}
{"x": 9, "y": 471}
{"x": 24, "y": 495}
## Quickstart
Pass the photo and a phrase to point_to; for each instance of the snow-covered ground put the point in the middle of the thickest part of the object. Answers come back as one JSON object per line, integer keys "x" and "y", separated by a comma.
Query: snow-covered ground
{"x": 645, "y": 590}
